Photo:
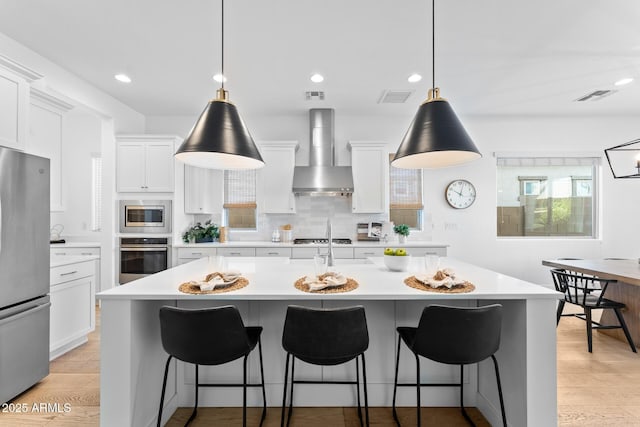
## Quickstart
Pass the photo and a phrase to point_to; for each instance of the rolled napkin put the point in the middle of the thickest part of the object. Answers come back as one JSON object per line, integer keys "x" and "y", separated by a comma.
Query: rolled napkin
{"x": 327, "y": 280}
{"x": 214, "y": 280}
{"x": 445, "y": 277}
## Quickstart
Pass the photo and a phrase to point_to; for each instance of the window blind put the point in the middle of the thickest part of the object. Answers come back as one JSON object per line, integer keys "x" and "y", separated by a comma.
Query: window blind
{"x": 240, "y": 188}
{"x": 405, "y": 187}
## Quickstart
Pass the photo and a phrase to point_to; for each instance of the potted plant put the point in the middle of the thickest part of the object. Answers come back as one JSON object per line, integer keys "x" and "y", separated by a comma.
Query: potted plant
{"x": 200, "y": 233}
{"x": 402, "y": 230}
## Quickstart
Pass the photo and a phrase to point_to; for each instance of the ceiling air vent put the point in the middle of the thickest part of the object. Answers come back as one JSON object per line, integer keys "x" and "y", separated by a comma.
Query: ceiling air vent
{"x": 596, "y": 95}
{"x": 394, "y": 96}
{"x": 314, "y": 95}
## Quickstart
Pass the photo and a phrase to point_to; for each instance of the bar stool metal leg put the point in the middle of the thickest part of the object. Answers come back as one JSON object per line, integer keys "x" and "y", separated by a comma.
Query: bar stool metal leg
{"x": 264, "y": 393}
{"x": 284, "y": 392}
{"x": 504, "y": 415}
{"x": 366, "y": 396}
{"x": 244, "y": 392}
{"x": 164, "y": 386}
{"x": 293, "y": 370}
{"x": 195, "y": 406}
{"x": 358, "y": 391}
{"x": 395, "y": 384}
{"x": 464, "y": 412}
{"x": 418, "y": 402}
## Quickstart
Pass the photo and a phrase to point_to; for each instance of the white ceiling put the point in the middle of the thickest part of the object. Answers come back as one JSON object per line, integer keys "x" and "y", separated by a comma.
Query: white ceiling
{"x": 492, "y": 56}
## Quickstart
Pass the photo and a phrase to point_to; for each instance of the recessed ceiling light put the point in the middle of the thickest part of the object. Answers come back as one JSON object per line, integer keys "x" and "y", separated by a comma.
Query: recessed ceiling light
{"x": 219, "y": 78}
{"x": 414, "y": 78}
{"x": 122, "y": 78}
{"x": 623, "y": 82}
{"x": 317, "y": 78}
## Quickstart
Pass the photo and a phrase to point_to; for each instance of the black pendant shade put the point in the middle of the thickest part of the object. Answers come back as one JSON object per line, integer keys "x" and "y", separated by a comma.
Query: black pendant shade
{"x": 435, "y": 139}
{"x": 220, "y": 140}
{"x": 624, "y": 159}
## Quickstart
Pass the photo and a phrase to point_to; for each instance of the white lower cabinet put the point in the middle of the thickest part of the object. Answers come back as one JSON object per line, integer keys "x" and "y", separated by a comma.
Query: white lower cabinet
{"x": 367, "y": 252}
{"x": 237, "y": 251}
{"x": 72, "y": 295}
{"x": 280, "y": 252}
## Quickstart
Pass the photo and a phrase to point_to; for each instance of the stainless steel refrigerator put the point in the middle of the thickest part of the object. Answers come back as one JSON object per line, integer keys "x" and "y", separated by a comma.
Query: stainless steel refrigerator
{"x": 24, "y": 271}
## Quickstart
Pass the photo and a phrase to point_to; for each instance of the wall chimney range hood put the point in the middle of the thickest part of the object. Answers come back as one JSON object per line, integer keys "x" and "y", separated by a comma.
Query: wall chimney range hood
{"x": 322, "y": 177}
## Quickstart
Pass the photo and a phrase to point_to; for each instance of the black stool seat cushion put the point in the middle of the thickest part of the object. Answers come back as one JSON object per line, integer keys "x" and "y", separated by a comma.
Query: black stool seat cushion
{"x": 206, "y": 336}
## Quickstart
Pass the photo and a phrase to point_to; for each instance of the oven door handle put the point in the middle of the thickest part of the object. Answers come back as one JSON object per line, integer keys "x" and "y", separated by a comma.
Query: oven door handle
{"x": 128, "y": 249}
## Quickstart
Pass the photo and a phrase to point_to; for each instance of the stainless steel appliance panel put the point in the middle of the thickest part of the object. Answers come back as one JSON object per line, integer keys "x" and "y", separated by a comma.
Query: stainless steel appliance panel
{"x": 24, "y": 227}
{"x": 145, "y": 216}
{"x": 24, "y": 353}
{"x": 142, "y": 256}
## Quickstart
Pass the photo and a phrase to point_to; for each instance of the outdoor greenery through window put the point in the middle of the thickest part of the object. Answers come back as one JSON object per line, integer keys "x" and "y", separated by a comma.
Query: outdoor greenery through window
{"x": 405, "y": 196}
{"x": 240, "y": 199}
{"x": 546, "y": 196}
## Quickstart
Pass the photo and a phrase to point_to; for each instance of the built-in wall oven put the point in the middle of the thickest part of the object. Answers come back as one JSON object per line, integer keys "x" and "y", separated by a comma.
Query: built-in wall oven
{"x": 145, "y": 216}
{"x": 142, "y": 256}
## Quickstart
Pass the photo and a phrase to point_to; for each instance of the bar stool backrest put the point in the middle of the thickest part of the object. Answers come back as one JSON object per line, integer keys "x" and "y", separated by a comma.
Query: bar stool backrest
{"x": 209, "y": 336}
{"x": 325, "y": 336}
{"x": 458, "y": 335}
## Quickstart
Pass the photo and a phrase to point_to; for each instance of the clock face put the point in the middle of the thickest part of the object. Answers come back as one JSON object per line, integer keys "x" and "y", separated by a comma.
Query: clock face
{"x": 460, "y": 194}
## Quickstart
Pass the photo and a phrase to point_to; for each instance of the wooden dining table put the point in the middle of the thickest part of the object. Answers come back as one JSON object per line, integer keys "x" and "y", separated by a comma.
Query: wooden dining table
{"x": 626, "y": 289}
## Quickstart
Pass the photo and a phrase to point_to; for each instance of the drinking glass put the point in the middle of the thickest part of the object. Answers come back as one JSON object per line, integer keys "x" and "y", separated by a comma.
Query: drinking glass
{"x": 431, "y": 263}
{"x": 321, "y": 263}
{"x": 216, "y": 263}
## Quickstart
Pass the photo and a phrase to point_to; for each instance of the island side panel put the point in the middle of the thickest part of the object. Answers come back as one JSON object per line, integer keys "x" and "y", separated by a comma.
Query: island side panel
{"x": 132, "y": 364}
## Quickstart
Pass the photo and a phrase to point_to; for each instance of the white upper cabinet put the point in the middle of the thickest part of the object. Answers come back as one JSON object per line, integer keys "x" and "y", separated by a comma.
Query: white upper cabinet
{"x": 275, "y": 179}
{"x": 46, "y": 138}
{"x": 203, "y": 190}
{"x": 145, "y": 163}
{"x": 370, "y": 167}
{"x": 14, "y": 106}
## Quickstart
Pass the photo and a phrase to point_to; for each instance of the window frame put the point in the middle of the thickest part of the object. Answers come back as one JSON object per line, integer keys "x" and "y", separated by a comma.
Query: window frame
{"x": 418, "y": 207}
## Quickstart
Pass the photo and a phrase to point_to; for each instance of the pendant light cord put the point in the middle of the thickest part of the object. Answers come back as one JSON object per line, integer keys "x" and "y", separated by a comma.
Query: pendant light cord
{"x": 433, "y": 43}
{"x": 222, "y": 27}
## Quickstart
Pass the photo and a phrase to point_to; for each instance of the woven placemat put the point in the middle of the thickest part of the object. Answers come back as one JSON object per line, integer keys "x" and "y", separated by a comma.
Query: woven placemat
{"x": 189, "y": 288}
{"x": 347, "y": 287}
{"x": 412, "y": 282}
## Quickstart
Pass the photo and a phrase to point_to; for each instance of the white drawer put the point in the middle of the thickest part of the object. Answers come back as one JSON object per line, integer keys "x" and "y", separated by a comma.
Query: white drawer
{"x": 237, "y": 251}
{"x": 440, "y": 251}
{"x": 66, "y": 273}
{"x": 195, "y": 253}
{"x": 74, "y": 251}
{"x": 303, "y": 253}
{"x": 342, "y": 253}
{"x": 284, "y": 252}
{"x": 367, "y": 252}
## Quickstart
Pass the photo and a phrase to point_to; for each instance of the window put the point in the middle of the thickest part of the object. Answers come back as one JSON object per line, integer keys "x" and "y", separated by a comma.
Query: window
{"x": 405, "y": 196}
{"x": 96, "y": 192}
{"x": 546, "y": 196}
{"x": 240, "y": 199}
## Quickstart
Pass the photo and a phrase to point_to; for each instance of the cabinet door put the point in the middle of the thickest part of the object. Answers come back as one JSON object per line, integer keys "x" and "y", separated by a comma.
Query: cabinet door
{"x": 130, "y": 168}
{"x": 202, "y": 190}
{"x": 369, "y": 166}
{"x": 14, "y": 94}
{"x": 71, "y": 305}
{"x": 159, "y": 167}
{"x": 275, "y": 179}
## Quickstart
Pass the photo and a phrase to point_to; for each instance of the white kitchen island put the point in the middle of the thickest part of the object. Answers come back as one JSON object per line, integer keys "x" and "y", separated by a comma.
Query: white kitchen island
{"x": 132, "y": 358}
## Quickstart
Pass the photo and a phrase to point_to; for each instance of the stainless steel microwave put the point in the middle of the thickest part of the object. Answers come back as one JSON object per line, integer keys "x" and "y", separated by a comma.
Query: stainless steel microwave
{"x": 145, "y": 216}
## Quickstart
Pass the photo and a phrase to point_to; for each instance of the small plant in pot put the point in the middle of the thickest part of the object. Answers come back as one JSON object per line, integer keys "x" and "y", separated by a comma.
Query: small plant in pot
{"x": 402, "y": 230}
{"x": 200, "y": 233}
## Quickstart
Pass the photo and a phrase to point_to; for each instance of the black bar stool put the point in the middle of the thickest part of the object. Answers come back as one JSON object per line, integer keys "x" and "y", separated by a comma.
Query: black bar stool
{"x": 325, "y": 337}
{"x": 210, "y": 336}
{"x": 454, "y": 336}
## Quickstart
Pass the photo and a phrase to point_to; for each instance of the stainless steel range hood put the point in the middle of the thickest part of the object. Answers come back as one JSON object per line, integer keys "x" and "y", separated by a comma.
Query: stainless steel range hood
{"x": 322, "y": 177}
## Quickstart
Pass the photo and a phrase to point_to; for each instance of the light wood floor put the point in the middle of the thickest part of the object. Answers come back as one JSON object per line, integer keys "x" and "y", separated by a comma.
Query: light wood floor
{"x": 599, "y": 389}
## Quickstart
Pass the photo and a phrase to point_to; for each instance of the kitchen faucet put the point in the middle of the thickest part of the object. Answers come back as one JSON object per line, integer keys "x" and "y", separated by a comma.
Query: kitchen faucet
{"x": 330, "y": 244}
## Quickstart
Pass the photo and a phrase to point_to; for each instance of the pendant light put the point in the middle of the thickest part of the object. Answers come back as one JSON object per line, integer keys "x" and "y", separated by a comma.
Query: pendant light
{"x": 220, "y": 139}
{"x": 624, "y": 159}
{"x": 436, "y": 137}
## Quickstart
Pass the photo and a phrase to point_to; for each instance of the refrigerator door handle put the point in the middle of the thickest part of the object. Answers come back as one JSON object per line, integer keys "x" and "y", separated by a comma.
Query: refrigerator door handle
{"x": 24, "y": 313}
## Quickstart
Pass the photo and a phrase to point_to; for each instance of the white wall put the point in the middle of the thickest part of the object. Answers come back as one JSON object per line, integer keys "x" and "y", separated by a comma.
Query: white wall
{"x": 471, "y": 233}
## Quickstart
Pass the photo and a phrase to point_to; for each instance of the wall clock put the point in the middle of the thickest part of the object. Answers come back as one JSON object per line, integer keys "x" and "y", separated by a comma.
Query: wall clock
{"x": 460, "y": 194}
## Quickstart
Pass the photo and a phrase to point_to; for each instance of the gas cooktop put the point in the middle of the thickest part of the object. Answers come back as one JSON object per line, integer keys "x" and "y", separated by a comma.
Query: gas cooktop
{"x": 321, "y": 241}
